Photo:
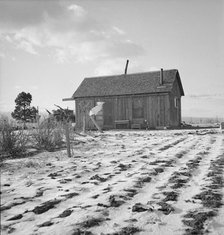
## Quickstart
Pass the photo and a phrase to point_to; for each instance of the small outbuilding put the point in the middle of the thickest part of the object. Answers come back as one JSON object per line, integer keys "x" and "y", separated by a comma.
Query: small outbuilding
{"x": 141, "y": 100}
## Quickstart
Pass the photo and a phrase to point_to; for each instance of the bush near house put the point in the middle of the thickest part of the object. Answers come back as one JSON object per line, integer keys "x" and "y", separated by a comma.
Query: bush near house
{"x": 48, "y": 135}
{"x": 16, "y": 142}
{"x": 64, "y": 115}
{"x": 12, "y": 142}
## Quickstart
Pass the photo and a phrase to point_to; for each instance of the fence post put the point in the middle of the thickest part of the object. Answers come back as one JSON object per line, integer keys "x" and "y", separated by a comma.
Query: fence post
{"x": 65, "y": 122}
{"x": 84, "y": 123}
{"x": 66, "y": 127}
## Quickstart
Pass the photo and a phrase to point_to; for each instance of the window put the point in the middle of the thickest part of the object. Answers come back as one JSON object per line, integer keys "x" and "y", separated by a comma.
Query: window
{"x": 176, "y": 102}
{"x": 138, "y": 108}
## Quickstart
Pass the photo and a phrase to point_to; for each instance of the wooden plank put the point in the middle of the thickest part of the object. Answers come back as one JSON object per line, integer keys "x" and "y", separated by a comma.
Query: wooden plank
{"x": 171, "y": 109}
{"x": 162, "y": 110}
{"x": 145, "y": 108}
{"x": 127, "y": 107}
{"x": 108, "y": 113}
{"x": 118, "y": 116}
{"x": 78, "y": 115}
{"x": 122, "y": 108}
{"x": 167, "y": 111}
{"x": 159, "y": 109}
{"x": 150, "y": 110}
{"x": 130, "y": 117}
{"x": 115, "y": 108}
{"x": 155, "y": 106}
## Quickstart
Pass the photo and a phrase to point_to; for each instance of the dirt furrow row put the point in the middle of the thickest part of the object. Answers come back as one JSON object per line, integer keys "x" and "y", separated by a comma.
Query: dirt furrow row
{"x": 210, "y": 198}
{"x": 150, "y": 178}
{"x": 114, "y": 200}
{"x": 142, "y": 183}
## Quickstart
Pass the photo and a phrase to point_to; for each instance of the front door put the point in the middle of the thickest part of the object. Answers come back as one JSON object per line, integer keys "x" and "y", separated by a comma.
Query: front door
{"x": 108, "y": 114}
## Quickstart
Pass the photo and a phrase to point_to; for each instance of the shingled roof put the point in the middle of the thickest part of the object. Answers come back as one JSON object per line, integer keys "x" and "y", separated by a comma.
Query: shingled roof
{"x": 128, "y": 84}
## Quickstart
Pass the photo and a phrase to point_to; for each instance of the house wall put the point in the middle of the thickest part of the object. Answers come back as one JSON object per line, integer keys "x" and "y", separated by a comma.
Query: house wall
{"x": 175, "y": 111}
{"x": 156, "y": 110}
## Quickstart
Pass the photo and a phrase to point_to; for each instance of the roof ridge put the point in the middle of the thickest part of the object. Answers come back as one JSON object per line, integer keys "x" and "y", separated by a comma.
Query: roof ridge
{"x": 117, "y": 75}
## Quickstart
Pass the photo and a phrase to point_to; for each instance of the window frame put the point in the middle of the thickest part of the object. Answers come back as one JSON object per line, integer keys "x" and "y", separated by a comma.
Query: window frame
{"x": 176, "y": 102}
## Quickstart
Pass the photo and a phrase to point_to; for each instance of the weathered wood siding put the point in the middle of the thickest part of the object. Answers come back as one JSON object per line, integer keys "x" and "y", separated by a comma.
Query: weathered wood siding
{"x": 122, "y": 108}
{"x": 156, "y": 110}
{"x": 175, "y": 112}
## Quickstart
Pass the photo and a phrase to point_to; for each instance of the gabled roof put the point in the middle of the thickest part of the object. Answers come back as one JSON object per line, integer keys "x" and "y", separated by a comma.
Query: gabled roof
{"x": 128, "y": 84}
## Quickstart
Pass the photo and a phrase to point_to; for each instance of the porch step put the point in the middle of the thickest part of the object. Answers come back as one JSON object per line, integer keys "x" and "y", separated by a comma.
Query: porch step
{"x": 122, "y": 123}
{"x": 136, "y": 126}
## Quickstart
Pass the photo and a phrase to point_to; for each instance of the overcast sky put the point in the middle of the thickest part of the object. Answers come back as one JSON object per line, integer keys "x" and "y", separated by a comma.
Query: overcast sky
{"x": 48, "y": 47}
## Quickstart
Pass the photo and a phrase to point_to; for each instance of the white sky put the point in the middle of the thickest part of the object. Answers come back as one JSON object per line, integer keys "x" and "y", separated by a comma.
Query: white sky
{"x": 48, "y": 47}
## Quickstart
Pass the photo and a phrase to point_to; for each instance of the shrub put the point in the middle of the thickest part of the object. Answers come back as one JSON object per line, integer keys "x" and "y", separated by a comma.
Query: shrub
{"x": 12, "y": 142}
{"x": 48, "y": 135}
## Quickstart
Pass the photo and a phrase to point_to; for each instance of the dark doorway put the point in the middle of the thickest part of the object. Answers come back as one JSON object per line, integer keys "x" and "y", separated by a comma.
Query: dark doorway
{"x": 108, "y": 114}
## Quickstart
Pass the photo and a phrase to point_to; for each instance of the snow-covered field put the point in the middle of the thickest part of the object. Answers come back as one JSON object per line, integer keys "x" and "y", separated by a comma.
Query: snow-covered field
{"x": 119, "y": 182}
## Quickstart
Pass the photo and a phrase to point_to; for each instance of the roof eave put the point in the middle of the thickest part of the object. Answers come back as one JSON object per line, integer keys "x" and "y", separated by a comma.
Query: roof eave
{"x": 151, "y": 93}
{"x": 68, "y": 99}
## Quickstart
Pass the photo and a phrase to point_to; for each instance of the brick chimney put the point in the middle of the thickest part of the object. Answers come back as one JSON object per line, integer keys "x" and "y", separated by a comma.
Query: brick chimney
{"x": 161, "y": 77}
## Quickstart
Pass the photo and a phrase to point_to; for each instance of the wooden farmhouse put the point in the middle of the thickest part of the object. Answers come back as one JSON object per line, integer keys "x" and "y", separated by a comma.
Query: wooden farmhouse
{"x": 141, "y": 100}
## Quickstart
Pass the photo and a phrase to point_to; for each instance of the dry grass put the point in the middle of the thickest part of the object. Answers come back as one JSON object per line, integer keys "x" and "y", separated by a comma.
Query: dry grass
{"x": 12, "y": 143}
{"x": 49, "y": 135}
